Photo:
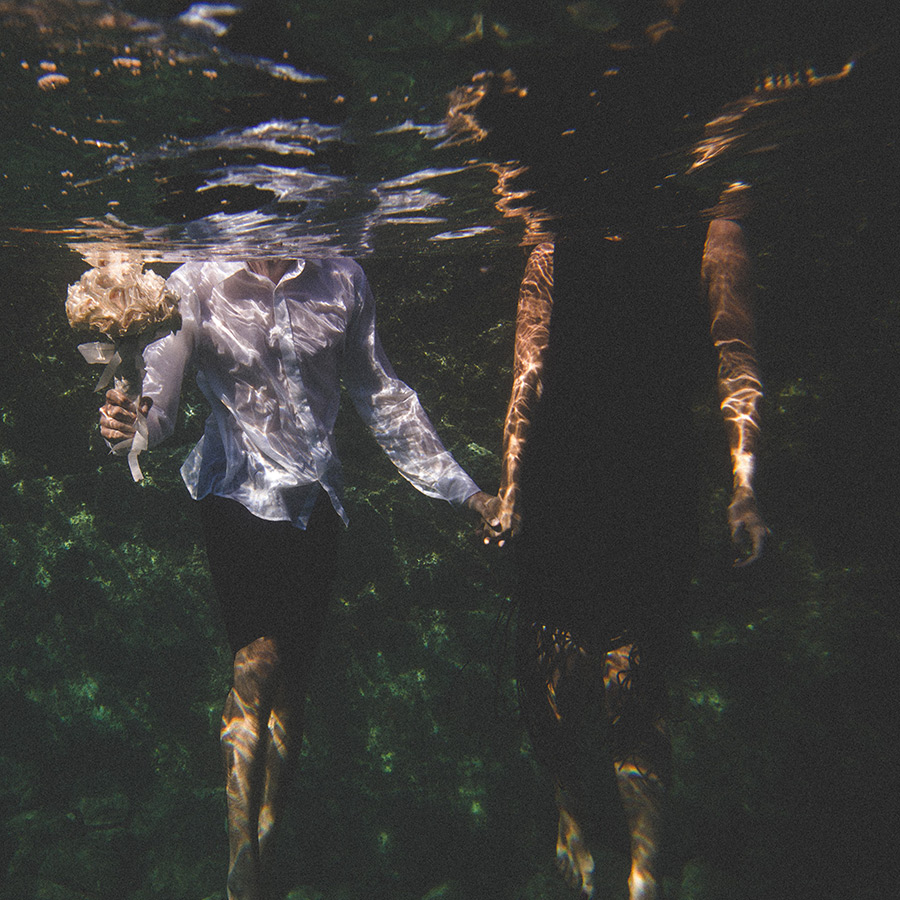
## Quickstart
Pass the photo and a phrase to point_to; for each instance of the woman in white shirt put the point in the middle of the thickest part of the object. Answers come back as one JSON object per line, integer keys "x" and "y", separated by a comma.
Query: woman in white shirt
{"x": 272, "y": 340}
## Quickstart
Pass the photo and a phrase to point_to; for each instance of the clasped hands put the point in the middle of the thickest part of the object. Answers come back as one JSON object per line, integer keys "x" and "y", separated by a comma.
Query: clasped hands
{"x": 499, "y": 519}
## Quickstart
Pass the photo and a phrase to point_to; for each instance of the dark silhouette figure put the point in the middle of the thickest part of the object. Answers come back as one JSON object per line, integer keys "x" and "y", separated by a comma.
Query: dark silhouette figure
{"x": 596, "y": 489}
{"x": 599, "y": 476}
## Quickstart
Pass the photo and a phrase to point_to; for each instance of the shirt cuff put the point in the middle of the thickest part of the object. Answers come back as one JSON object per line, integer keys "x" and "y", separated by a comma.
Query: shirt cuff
{"x": 457, "y": 488}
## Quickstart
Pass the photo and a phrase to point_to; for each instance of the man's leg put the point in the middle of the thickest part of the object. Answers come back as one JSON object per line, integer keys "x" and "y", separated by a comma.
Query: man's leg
{"x": 284, "y": 737}
{"x": 640, "y": 772}
{"x": 270, "y": 578}
{"x": 574, "y": 708}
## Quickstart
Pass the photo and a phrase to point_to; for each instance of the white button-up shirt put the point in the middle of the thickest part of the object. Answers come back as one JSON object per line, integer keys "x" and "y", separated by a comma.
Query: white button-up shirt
{"x": 270, "y": 360}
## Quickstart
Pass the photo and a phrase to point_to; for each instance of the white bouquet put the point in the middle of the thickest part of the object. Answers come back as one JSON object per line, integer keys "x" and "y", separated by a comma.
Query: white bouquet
{"x": 130, "y": 308}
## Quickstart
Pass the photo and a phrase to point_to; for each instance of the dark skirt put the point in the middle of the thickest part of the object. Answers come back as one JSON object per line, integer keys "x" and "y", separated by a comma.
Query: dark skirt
{"x": 272, "y": 579}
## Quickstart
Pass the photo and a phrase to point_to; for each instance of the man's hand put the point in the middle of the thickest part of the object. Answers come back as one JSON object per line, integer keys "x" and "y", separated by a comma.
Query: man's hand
{"x": 486, "y": 507}
{"x": 748, "y": 531}
{"x": 499, "y": 521}
{"x": 118, "y": 414}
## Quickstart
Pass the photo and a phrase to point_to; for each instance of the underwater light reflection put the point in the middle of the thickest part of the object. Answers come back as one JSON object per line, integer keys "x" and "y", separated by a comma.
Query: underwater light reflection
{"x": 137, "y": 172}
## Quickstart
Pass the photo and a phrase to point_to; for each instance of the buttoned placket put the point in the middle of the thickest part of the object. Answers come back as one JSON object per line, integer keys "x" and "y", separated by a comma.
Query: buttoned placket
{"x": 297, "y": 395}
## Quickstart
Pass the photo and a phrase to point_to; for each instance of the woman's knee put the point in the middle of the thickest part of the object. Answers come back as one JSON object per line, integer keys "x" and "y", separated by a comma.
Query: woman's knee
{"x": 256, "y": 669}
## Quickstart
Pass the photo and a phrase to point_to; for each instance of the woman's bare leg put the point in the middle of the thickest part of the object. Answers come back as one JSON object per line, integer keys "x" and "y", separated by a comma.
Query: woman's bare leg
{"x": 245, "y": 743}
{"x": 284, "y": 736}
{"x": 574, "y": 699}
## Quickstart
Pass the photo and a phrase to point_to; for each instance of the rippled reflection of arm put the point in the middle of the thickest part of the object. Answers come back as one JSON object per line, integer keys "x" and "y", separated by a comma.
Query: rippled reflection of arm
{"x": 726, "y": 276}
{"x": 532, "y": 334}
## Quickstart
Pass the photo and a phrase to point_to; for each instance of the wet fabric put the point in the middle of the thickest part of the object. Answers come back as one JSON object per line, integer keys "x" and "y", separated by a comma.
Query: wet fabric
{"x": 610, "y": 504}
{"x": 609, "y": 479}
{"x": 271, "y": 359}
{"x": 271, "y": 579}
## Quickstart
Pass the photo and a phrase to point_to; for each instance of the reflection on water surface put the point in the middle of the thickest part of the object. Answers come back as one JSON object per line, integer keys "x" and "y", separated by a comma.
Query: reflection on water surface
{"x": 156, "y": 134}
{"x": 233, "y": 128}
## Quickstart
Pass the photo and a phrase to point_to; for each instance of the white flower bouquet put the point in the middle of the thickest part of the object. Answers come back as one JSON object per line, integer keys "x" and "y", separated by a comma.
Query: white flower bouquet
{"x": 130, "y": 308}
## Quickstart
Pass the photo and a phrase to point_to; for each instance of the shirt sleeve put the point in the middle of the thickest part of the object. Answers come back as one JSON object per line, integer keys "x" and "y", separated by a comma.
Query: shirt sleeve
{"x": 165, "y": 360}
{"x": 393, "y": 411}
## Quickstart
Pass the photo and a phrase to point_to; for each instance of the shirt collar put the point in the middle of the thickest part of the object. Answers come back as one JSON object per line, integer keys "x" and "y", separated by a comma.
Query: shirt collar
{"x": 296, "y": 268}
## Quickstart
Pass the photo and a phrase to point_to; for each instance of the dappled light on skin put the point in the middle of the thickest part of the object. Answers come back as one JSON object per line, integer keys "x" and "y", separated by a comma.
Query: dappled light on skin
{"x": 739, "y": 409}
{"x": 532, "y": 339}
{"x": 726, "y": 274}
{"x": 641, "y": 791}
{"x": 255, "y": 747}
{"x": 572, "y": 689}
{"x": 557, "y": 656}
{"x": 591, "y": 709}
{"x": 573, "y": 859}
{"x": 241, "y": 739}
{"x": 276, "y": 759}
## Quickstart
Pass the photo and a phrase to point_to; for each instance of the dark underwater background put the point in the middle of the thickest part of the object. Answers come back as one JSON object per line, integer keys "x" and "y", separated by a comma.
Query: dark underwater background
{"x": 417, "y": 779}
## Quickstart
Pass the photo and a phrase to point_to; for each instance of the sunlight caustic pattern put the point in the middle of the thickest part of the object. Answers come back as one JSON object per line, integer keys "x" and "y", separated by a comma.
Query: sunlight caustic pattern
{"x": 255, "y": 748}
{"x": 532, "y": 339}
{"x": 572, "y": 677}
{"x": 728, "y": 128}
{"x": 463, "y": 127}
{"x": 566, "y": 681}
{"x": 583, "y": 708}
{"x": 725, "y": 274}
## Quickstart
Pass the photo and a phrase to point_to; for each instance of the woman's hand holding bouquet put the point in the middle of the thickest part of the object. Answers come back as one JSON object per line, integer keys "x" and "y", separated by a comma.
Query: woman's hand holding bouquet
{"x": 130, "y": 308}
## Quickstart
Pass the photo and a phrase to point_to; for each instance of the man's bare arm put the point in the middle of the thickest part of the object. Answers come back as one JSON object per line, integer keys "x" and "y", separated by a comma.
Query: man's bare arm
{"x": 726, "y": 277}
{"x": 532, "y": 337}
